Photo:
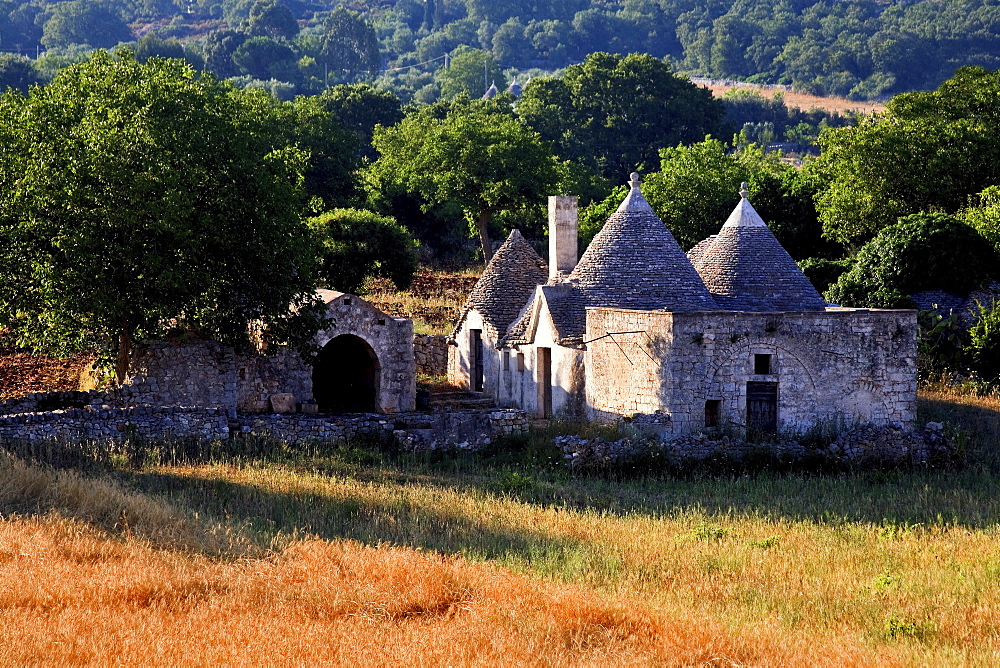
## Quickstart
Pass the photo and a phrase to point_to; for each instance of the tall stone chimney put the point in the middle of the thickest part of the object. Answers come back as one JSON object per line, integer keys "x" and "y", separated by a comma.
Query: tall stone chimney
{"x": 562, "y": 234}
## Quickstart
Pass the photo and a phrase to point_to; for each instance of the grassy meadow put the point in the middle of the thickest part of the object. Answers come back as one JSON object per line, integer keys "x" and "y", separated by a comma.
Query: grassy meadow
{"x": 157, "y": 554}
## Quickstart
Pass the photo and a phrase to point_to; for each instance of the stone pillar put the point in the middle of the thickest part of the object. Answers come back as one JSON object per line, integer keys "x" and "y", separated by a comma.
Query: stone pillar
{"x": 562, "y": 234}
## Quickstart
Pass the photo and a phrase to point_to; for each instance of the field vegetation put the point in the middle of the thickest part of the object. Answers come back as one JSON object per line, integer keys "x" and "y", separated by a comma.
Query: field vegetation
{"x": 161, "y": 553}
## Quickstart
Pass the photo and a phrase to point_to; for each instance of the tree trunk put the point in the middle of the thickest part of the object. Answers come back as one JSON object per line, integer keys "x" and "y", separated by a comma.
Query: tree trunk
{"x": 482, "y": 225}
{"x": 124, "y": 354}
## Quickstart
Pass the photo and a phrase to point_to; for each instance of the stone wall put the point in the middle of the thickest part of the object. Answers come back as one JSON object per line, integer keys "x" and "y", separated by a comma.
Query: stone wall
{"x": 191, "y": 374}
{"x": 841, "y": 366}
{"x": 260, "y": 376}
{"x": 209, "y": 375}
{"x": 416, "y": 431}
{"x": 430, "y": 354}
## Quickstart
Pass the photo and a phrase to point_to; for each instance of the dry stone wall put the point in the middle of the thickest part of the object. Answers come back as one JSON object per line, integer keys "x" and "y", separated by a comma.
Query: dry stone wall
{"x": 415, "y": 431}
{"x": 430, "y": 353}
{"x": 210, "y": 375}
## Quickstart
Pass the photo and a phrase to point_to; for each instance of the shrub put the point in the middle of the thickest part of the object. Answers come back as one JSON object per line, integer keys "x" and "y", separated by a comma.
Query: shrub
{"x": 920, "y": 252}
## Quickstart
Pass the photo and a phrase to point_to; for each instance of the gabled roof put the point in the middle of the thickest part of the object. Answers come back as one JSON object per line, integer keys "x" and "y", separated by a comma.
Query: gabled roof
{"x": 746, "y": 269}
{"x": 634, "y": 262}
{"x": 507, "y": 283}
{"x": 566, "y": 307}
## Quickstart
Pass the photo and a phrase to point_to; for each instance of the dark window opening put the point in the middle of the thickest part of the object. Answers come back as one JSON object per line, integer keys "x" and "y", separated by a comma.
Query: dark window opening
{"x": 762, "y": 365}
{"x": 381, "y": 321}
{"x": 712, "y": 409}
{"x": 520, "y": 362}
{"x": 347, "y": 301}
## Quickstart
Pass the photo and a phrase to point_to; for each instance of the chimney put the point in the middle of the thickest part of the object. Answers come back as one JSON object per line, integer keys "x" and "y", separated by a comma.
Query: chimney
{"x": 562, "y": 234}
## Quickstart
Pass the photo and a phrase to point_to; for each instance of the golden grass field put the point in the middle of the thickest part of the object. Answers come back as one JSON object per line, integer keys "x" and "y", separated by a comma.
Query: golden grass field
{"x": 806, "y": 102}
{"x": 348, "y": 556}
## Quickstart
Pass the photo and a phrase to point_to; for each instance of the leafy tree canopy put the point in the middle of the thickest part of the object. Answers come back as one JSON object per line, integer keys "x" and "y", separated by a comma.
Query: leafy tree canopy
{"x": 922, "y": 251}
{"x": 615, "y": 113}
{"x": 358, "y": 108}
{"x": 357, "y": 244}
{"x": 929, "y": 152}
{"x": 139, "y": 197}
{"x": 484, "y": 161}
{"x": 85, "y": 22}
{"x": 471, "y": 72}
{"x": 697, "y": 187}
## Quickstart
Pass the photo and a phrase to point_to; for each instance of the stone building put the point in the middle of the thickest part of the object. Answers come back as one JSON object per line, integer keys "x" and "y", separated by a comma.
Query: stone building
{"x": 507, "y": 283}
{"x": 365, "y": 364}
{"x": 730, "y": 333}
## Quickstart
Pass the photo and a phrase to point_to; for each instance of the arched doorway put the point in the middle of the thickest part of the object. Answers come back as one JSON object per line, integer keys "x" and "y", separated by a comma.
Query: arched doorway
{"x": 346, "y": 376}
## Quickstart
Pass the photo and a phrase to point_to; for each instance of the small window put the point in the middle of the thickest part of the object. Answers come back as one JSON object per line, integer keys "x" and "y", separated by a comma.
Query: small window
{"x": 243, "y": 373}
{"x": 712, "y": 409}
{"x": 762, "y": 365}
{"x": 381, "y": 321}
{"x": 520, "y": 361}
{"x": 506, "y": 360}
{"x": 347, "y": 301}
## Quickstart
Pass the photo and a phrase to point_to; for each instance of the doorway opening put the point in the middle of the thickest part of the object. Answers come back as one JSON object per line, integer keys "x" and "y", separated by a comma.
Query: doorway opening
{"x": 346, "y": 376}
{"x": 544, "y": 371}
{"x": 762, "y": 408}
{"x": 476, "y": 359}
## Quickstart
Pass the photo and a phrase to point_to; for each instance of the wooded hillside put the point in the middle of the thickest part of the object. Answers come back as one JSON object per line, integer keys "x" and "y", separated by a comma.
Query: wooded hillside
{"x": 864, "y": 49}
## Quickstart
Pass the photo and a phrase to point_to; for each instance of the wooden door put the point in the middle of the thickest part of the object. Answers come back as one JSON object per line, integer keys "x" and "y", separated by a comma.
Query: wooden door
{"x": 476, "y": 361}
{"x": 762, "y": 407}
{"x": 544, "y": 371}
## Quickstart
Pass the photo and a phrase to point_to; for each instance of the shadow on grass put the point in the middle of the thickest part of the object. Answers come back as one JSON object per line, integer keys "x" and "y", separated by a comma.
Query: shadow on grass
{"x": 529, "y": 471}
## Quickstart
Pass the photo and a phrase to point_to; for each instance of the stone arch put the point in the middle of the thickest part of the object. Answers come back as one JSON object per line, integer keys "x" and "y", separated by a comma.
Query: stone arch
{"x": 347, "y": 376}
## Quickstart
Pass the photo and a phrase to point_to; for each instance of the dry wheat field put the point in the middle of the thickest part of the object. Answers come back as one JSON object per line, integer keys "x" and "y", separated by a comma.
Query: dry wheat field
{"x": 354, "y": 556}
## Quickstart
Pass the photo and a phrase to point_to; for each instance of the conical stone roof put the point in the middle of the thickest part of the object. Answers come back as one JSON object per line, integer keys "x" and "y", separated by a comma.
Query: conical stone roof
{"x": 746, "y": 269}
{"x": 634, "y": 262}
{"x": 507, "y": 284}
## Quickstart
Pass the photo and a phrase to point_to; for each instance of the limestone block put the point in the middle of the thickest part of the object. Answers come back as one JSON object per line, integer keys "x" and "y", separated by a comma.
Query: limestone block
{"x": 283, "y": 402}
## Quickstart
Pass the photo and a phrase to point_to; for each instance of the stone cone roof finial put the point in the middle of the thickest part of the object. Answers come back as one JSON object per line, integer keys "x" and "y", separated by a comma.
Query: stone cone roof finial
{"x": 634, "y": 201}
{"x": 744, "y": 192}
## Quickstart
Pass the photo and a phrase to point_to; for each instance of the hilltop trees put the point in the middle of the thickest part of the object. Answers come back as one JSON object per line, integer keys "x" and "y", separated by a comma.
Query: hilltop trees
{"x": 135, "y": 198}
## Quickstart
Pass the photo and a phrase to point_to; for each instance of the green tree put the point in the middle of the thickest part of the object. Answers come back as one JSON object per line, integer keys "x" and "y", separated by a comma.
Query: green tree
{"x": 16, "y": 72}
{"x": 696, "y": 188}
{"x": 921, "y": 252}
{"x": 84, "y": 22}
{"x": 358, "y": 244}
{"x": 266, "y": 58}
{"x": 929, "y": 152}
{"x": 359, "y": 108}
{"x": 349, "y": 43}
{"x": 483, "y": 160}
{"x": 471, "y": 72}
{"x": 615, "y": 113}
{"x": 306, "y": 123}
{"x": 270, "y": 18}
{"x": 135, "y": 198}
